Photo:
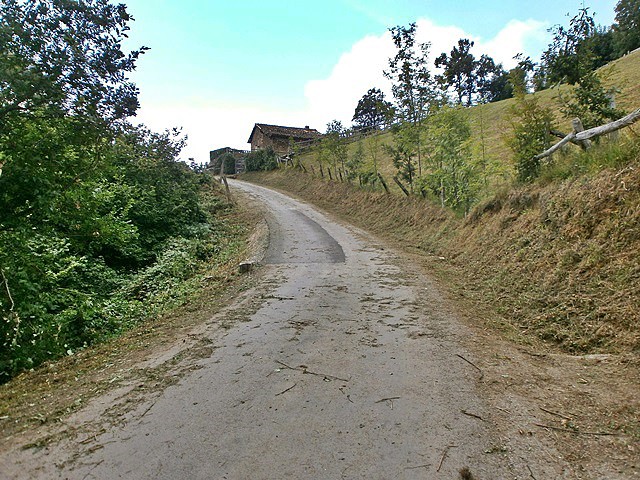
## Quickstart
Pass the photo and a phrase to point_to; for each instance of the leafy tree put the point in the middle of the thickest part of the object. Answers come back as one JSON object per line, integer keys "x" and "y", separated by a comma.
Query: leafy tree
{"x": 261, "y": 160}
{"x": 333, "y": 145}
{"x": 627, "y": 27}
{"x": 452, "y": 175}
{"x": 459, "y": 70}
{"x": 372, "y": 110}
{"x": 591, "y": 102}
{"x": 65, "y": 57}
{"x": 355, "y": 163}
{"x": 403, "y": 153}
{"x": 520, "y": 75}
{"x": 571, "y": 53}
{"x": 531, "y": 125}
{"x": 96, "y": 215}
{"x": 492, "y": 81}
{"x": 412, "y": 85}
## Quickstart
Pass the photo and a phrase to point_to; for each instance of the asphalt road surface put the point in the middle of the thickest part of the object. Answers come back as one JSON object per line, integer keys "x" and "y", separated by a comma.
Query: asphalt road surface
{"x": 344, "y": 363}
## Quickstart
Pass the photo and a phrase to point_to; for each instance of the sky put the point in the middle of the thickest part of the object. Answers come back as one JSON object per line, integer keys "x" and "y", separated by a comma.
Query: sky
{"x": 217, "y": 67}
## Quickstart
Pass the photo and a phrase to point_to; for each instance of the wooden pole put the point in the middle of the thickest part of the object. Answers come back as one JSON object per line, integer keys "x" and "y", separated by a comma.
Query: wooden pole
{"x": 402, "y": 187}
{"x": 576, "y": 123}
{"x": 384, "y": 184}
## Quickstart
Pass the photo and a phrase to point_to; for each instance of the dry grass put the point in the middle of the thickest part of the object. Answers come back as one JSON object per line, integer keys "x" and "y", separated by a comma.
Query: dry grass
{"x": 559, "y": 262}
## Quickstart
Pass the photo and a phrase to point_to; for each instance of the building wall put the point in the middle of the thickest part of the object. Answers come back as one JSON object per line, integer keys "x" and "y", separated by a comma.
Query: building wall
{"x": 260, "y": 140}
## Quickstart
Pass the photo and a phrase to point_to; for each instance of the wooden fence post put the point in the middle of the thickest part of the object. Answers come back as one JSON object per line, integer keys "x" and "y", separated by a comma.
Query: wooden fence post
{"x": 384, "y": 184}
{"x": 576, "y": 123}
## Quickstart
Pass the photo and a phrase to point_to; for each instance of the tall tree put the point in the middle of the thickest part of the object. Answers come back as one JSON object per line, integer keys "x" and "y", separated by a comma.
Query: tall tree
{"x": 333, "y": 146}
{"x": 453, "y": 175}
{"x": 492, "y": 81}
{"x": 459, "y": 70}
{"x": 570, "y": 55}
{"x": 372, "y": 110}
{"x": 412, "y": 84}
{"x": 59, "y": 57}
{"x": 627, "y": 26}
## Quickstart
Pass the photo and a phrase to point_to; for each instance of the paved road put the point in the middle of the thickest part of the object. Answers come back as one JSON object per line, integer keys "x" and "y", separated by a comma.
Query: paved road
{"x": 343, "y": 364}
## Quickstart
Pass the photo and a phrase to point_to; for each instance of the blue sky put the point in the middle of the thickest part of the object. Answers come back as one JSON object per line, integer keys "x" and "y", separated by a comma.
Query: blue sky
{"x": 217, "y": 67}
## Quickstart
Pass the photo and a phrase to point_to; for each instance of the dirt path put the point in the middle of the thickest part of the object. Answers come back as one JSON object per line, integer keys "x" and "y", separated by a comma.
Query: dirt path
{"x": 344, "y": 363}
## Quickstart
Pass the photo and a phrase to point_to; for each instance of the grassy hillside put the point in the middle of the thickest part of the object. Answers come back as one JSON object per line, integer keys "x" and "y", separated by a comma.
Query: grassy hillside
{"x": 491, "y": 124}
{"x": 557, "y": 262}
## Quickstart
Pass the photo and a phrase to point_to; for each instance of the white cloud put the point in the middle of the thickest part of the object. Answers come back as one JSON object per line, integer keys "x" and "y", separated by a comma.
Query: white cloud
{"x": 356, "y": 72}
{"x": 213, "y": 126}
{"x": 517, "y": 36}
{"x": 336, "y": 96}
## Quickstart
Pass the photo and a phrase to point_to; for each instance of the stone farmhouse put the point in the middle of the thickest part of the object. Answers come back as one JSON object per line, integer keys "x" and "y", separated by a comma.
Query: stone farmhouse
{"x": 279, "y": 138}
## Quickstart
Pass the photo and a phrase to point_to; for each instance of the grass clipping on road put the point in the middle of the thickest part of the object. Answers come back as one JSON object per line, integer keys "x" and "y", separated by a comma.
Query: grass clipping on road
{"x": 558, "y": 262}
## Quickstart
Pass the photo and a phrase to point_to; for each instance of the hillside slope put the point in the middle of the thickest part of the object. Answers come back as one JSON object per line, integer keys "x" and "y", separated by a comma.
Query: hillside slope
{"x": 490, "y": 124}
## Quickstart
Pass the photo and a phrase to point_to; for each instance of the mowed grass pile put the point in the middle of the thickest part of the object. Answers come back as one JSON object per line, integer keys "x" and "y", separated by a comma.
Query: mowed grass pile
{"x": 559, "y": 262}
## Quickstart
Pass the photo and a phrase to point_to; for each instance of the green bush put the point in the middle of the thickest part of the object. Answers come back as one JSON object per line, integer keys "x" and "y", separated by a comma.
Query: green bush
{"x": 261, "y": 160}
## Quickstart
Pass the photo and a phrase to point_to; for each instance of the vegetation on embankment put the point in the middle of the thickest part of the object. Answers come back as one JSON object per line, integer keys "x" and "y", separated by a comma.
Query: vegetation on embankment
{"x": 101, "y": 226}
{"x": 491, "y": 128}
{"x": 558, "y": 260}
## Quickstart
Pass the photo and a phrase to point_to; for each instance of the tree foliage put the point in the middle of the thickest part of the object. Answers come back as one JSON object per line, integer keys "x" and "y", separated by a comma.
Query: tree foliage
{"x": 415, "y": 94}
{"x": 372, "y": 111}
{"x": 99, "y": 222}
{"x": 452, "y": 175}
{"x": 412, "y": 83}
{"x": 575, "y": 50}
{"x": 65, "y": 57}
{"x": 472, "y": 79}
{"x": 459, "y": 70}
{"x": 531, "y": 125}
{"x": 627, "y": 27}
{"x": 591, "y": 102}
{"x": 334, "y": 146}
{"x": 261, "y": 160}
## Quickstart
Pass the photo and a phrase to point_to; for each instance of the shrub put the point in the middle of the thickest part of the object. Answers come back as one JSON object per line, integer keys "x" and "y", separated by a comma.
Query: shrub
{"x": 261, "y": 160}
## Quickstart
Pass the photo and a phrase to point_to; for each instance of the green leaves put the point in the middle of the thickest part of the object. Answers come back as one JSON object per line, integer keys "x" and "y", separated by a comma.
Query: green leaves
{"x": 63, "y": 57}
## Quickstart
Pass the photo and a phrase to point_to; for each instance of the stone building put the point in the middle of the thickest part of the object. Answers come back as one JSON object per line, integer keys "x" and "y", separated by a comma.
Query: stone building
{"x": 279, "y": 138}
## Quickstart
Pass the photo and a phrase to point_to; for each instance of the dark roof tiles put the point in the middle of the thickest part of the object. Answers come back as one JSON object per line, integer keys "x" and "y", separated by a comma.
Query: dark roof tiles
{"x": 279, "y": 131}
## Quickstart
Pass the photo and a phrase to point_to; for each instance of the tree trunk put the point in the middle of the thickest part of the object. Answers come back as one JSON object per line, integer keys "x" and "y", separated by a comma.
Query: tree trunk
{"x": 384, "y": 184}
{"x": 402, "y": 187}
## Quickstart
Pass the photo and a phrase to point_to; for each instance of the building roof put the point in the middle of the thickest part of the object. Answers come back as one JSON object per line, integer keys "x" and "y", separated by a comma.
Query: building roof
{"x": 296, "y": 133}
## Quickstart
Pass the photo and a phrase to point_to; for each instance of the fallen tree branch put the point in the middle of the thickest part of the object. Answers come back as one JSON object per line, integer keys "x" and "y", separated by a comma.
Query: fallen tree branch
{"x": 473, "y": 365}
{"x": 444, "y": 454}
{"x": 547, "y": 153}
{"x": 386, "y": 399}
{"x": 471, "y": 415}
{"x": 580, "y": 137}
{"x": 554, "y": 413}
{"x": 304, "y": 369}
{"x": 286, "y": 390}
{"x": 575, "y": 432}
{"x": 610, "y": 127}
